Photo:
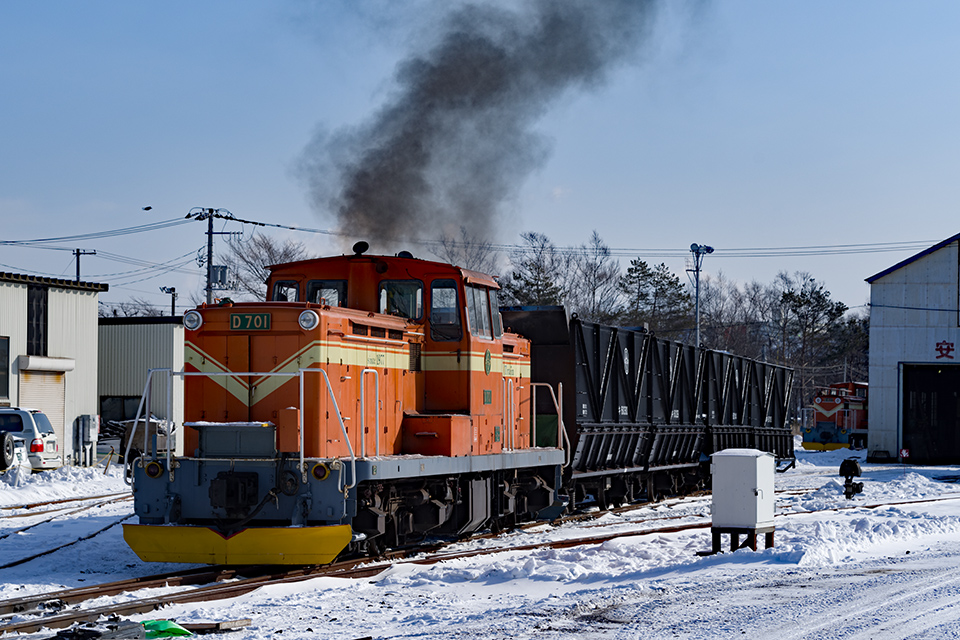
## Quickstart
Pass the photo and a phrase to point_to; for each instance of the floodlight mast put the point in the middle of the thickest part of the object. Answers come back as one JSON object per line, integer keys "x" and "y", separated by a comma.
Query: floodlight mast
{"x": 698, "y": 251}
{"x": 173, "y": 298}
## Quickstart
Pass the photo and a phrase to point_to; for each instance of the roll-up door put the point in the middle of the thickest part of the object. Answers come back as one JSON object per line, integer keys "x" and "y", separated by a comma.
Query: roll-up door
{"x": 44, "y": 390}
{"x": 931, "y": 413}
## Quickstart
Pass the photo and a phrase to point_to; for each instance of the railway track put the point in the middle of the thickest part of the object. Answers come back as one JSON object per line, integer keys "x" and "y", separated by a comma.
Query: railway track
{"x": 33, "y": 505}
{"x": 60, "y": 513}
{"x": 221, "y": 583}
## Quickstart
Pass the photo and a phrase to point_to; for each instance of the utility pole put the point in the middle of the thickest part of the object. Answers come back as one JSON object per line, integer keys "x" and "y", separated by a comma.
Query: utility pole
{"x": 208, "y": 214}
{"x": 209, "y": 256}
{"x": 698, "y": 251}
{"x": 78, "y": 253}
{"x": 173, "y": 298}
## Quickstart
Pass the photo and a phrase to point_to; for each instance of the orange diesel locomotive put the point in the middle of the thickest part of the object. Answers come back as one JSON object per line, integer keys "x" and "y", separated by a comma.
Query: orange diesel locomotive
{"x": 838, "y": 417}
{"x": 372, "y": 400}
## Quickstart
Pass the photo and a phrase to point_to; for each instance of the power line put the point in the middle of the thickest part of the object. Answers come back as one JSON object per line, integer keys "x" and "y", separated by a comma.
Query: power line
{"x": 223, "y": 214}
{"x": 737, "y": 252}
{"x": 145, "y": 264}
{"x": 110, "y": 233}
{"x": 159, "y": 272}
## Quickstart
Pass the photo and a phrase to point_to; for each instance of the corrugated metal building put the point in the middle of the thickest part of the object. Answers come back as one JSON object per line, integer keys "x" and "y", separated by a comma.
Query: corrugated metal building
{"x": 914, "y": 358}
{"x": 129, "y": 347}
{"x": 48, "y": 354}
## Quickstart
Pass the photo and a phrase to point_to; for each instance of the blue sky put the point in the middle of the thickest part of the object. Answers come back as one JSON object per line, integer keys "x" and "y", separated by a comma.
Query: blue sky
{"x": 742, "y": 124}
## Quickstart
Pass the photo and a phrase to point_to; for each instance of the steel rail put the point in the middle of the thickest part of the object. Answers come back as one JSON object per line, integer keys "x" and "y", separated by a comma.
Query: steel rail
{"x": 63, "y": 597}
{"x": 33, "y": 505}
{"x": 200, "y": 594}
{"x": 63, "y": 546}
{"x": 59, "y": 515}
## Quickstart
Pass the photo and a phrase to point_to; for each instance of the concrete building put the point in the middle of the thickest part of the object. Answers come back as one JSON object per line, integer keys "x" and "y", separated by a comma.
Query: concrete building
{"x": 914, "y": 410}
{"x": 129, "y": 347}
{"x": 48, "y": 355}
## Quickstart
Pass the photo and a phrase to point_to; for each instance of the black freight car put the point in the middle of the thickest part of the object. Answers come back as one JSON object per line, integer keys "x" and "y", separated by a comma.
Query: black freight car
{"x": 641, "y": 414}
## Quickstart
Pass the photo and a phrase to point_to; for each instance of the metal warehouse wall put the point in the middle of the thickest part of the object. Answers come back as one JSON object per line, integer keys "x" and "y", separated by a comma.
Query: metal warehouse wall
{"x": 127, "y": 351}
{"x": 72, "y": 333}
{"x": 898, "y": 335}
{"x": 13, "y": 324}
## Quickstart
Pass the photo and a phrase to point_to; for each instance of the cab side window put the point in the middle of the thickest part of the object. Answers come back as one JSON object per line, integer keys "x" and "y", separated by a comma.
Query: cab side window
{"x": 478, "y": 311}
{"x": 285, "y": 291}
{"x": 444, "y": 311}
{"x": 331, "y": 292}
{"x": 402, "y": 298}
{"x": 495, "y": 312}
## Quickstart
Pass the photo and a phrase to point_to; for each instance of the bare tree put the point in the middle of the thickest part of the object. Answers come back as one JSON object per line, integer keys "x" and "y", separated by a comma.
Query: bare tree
{"x": 135, "y": 307}
{"x": 595, "y": 293}
{"x": 469, "y": 252}
{"x": 248, "y": 261}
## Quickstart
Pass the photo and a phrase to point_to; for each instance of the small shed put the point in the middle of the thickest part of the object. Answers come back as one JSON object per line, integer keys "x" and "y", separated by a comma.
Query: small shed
{"x": 914, "y": 358}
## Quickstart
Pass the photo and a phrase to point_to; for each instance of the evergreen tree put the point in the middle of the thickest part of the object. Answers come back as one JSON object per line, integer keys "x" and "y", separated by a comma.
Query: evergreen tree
{"x": 537, "y": 273}
{"x": 655, "y": 297}
{"x": 814, "y": 319}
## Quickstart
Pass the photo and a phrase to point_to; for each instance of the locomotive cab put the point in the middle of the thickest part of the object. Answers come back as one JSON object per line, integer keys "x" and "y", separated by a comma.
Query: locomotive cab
{"x": 469, "y": 367}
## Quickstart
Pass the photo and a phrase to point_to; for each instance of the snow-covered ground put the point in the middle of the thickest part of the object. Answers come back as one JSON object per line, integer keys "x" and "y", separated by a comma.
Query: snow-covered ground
{"x": 835, "y": 572}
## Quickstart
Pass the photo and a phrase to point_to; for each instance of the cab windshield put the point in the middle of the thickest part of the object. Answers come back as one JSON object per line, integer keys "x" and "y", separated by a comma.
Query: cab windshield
{"x": 402, "y": 298}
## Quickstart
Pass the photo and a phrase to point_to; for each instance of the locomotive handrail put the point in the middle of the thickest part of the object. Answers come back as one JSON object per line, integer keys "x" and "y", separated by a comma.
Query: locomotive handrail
{"x": 363, "y": 411}
{"x": 128, "y": 478}
{"x": 146, "y": 398}
{"x": 562, "y": 441}
{"x": 343, "y": 428}
{"x": 508, "y": 413}
{"x": 143, "y": 409}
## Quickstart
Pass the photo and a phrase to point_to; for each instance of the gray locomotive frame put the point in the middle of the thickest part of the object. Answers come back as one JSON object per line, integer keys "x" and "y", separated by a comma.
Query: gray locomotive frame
{"x": 238, "y": 479}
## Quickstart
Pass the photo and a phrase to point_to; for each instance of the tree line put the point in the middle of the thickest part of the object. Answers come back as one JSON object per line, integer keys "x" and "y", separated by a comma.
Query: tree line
{"x": 790, "y": 321}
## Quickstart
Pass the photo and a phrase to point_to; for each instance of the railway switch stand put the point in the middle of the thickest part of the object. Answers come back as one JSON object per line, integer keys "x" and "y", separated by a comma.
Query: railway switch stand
{"x": 850, "y": 469}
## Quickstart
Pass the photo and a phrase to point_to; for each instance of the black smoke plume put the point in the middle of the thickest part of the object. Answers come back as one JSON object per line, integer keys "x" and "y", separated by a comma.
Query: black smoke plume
{"x": 456, "y": 141}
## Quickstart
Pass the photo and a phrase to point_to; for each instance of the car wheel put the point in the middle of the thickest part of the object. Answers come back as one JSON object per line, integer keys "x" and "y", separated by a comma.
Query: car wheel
{"x": 6, "y": 450}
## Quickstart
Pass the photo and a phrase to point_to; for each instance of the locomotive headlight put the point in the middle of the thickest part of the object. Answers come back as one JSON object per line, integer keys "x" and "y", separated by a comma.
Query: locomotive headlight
{"x": 320, "y": 471}
{"x": 153, "y": 469}
{"x": 309, "y": 320}
{"x": 192, "y": 320}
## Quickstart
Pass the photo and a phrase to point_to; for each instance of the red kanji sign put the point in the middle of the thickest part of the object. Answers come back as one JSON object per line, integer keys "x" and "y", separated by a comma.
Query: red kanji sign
{"x": 945, "y": 349}
{"x": 904, "y": 453}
